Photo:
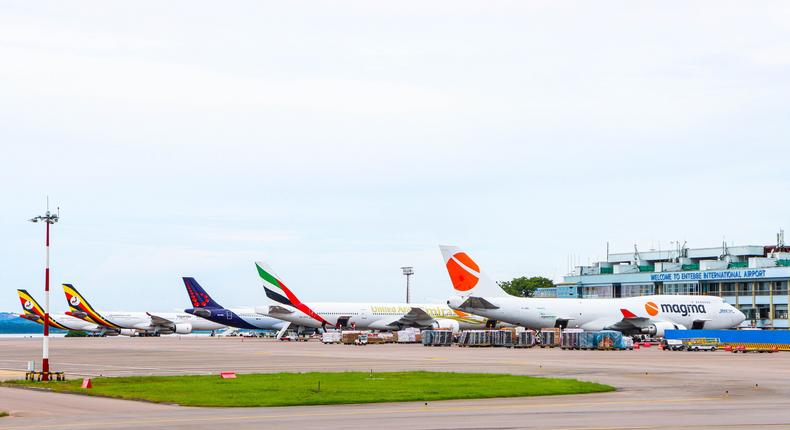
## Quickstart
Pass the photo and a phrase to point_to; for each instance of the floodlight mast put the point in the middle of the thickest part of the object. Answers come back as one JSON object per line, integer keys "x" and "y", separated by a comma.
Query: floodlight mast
{"x": 408, "y": 271}
{"x": 48, "y": 218}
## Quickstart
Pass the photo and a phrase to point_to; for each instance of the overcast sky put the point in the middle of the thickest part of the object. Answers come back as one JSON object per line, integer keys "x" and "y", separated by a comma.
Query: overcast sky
{"x": 339, "y": 141}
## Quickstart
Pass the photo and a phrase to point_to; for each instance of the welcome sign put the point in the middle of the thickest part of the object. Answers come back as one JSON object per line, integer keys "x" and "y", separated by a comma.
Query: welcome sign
{"x": 709, "y": 275}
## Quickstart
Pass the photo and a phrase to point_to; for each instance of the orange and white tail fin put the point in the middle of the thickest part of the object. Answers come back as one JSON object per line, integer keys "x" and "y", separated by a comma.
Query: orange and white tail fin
{"x": 466, "y": 276}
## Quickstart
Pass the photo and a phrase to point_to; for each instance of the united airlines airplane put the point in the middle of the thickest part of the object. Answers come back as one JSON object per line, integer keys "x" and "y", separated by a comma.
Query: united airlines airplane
{"x": 478, "y": 294}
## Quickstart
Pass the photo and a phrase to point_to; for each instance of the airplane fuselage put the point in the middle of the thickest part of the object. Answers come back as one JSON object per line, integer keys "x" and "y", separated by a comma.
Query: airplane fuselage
{"x": 598, "y": 314}
{"x": 371, "y": 316}
{"x": 183, "y": 322}
{"x": 239, "y": 318}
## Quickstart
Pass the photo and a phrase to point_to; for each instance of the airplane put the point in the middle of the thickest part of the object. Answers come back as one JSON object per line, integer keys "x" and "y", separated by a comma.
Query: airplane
{"x": 362, "y": 316}
{"x": 34, "y": 312}
{"x": 145, "y": 323}
{"x": 478, "y": 294}
{"x": 205, "y": 307}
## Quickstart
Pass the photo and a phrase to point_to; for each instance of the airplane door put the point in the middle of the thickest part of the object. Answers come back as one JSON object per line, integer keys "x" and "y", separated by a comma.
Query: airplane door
{"x": 342, "y": 322}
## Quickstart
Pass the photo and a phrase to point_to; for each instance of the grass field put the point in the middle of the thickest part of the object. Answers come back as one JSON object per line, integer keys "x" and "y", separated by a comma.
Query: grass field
{"x": 291, "y": 389}
{"x": 3, "y": 414}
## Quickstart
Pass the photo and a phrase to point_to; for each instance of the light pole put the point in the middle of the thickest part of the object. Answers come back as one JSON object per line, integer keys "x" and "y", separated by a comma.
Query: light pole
{"x": 47, "y": 218}
{"x": 408, "y": 271}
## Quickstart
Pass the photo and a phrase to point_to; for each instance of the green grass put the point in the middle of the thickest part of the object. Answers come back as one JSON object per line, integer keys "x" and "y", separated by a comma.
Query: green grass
{"x": 291, "y": 389}
{"x": 3, "y": 414}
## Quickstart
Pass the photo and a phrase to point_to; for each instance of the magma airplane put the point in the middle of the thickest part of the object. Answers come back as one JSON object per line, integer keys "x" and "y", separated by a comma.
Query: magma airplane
{"x": 478, "y": 294}
{"x": 363, "y": 316}
{"x": 34, "y": 312}
{"x": 141, "y": 322}
{"x": 205, "y": 307}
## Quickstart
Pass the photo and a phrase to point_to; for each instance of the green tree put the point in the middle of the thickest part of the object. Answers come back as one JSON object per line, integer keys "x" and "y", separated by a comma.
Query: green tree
{"x": 525, "y": 287}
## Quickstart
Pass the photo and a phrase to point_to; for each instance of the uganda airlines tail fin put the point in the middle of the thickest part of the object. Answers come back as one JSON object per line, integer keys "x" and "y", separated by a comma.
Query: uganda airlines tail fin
{"x": 198, "y": 296}
{"x": 274, "y": 286}
{"x": 80, "y": 308}
{"x": 33, "y": 311}
{"x": 466, "y": 276}
{"x": 29, "y": 305}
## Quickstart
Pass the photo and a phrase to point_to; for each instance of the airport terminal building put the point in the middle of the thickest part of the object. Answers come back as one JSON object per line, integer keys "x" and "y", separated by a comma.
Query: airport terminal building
{"x": 753, "y": 278}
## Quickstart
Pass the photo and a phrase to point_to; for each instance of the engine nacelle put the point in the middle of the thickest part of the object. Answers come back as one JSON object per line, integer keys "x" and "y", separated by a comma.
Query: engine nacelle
{"x": 447, "y": 324}
{"x": 119, "y": 332}
{"x": 660, "y": 327}
{"x": 183, "y": 328}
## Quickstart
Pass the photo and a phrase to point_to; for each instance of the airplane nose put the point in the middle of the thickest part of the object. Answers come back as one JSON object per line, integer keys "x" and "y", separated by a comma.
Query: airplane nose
{"x": 739, "y": 316}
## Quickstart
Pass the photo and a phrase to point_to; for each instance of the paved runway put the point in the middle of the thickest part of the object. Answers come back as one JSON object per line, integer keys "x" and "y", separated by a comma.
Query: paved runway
{"x": 657, "y": 389}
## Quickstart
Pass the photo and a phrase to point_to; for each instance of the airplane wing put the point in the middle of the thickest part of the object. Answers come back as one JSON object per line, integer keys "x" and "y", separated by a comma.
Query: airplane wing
{"x": 629, "y": 323}
{"x": 274, "y": 309}
{"x": 416, "y": 317}
{"x": 162, "y": 322}
{"x": 477, "y": 303}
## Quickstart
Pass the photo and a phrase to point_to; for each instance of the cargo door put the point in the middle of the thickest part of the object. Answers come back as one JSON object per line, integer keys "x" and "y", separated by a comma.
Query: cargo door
{"x": 342, "y": 321}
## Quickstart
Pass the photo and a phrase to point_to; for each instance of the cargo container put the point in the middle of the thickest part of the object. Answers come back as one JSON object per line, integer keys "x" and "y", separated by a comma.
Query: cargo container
{"x": 437, "y": 338}
{"x": 525, "y": 339}
{"x": 503, "y": 337}
{"x": 331, "y": 337}
{"x": 569, "y": 338}
{"x": 476, "y": 338}
{"x": 408, "y": 335}
{"x": 549, "y": 337}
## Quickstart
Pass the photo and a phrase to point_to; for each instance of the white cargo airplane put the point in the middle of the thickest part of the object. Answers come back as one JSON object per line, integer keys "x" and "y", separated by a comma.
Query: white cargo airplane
{"x": 362, "y": 316}
{"x": 480, "y": 295}
{"x": 32, "y": 311}
{"x": 141, "y": 322}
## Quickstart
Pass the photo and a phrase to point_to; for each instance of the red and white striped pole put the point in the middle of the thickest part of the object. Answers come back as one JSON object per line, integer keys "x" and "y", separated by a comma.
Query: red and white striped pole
{"x": 48, "y": 219}
{"x": 45, "y": 356}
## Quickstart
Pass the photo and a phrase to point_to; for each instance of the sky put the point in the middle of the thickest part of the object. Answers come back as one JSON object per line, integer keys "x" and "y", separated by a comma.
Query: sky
{"x": 339, "y": 141}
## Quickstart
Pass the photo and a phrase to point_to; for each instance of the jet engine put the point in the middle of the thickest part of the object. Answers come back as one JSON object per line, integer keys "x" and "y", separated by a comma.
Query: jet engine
{"x": 447, "y": 324}
{"x": 119, "y": 332}
{"x": 659, "y": 327}
{"x": 183, "y": 328}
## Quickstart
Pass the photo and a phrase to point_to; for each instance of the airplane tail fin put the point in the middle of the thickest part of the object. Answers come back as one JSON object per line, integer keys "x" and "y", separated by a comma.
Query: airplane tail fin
{"x": 273, "y": 286}
{"x": 29, "y": 305}
{"x": 80, "y": 308}
{"x": 34, "y": 312}
{"x": 466, "y": 276}
{"x": 198, "y": 296}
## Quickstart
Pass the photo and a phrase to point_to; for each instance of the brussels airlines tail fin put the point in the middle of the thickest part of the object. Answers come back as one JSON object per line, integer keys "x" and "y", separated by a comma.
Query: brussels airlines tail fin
{"x": 466, "y": 276}
{"x": 198, "y": 296}
{"x": 80, "y": 308}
